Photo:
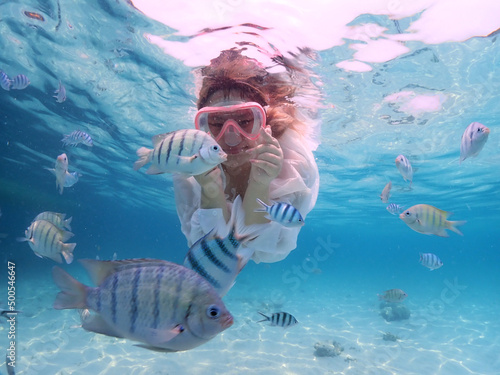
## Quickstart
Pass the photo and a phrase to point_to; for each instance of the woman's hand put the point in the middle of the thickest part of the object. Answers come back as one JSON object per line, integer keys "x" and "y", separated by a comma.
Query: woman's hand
{"x": 267, "y": 158}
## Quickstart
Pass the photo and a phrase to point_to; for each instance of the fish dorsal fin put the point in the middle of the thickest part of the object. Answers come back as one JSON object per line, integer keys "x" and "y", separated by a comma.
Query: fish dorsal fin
{"x": 159, "y": 137}
{"x": 99, "y": 270}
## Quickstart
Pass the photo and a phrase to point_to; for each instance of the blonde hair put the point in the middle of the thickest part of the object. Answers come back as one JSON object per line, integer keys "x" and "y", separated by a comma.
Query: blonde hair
{"x": 233, "y": 71}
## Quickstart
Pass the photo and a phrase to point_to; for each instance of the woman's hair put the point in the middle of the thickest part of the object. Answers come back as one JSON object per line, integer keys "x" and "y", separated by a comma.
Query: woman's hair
{"x": 233, "y": 71}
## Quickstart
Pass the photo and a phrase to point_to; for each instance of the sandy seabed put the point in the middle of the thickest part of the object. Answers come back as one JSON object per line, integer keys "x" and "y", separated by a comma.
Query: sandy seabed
{"x": 450, "y": 339}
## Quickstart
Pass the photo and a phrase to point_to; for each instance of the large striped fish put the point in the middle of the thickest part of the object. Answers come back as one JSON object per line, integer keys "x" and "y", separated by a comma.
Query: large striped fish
{"x": 215, "y": 259}
{"x": 76, "y": 137}
{"x": 187, "y": 151}
{"x": 47, "y": 241}
{"x": 431, "y": 261}
{"x": 426, "y": 219}
{"x": 404, "y": 167}
{"x": 280, "y": 319}
{"x": 473, "y": 140}
{"x": 163, "y": 305}
{"x": 59, "y": 220}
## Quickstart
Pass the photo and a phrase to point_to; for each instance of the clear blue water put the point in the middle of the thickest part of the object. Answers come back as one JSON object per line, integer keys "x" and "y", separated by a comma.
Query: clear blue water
{"x": 122, "y": 90}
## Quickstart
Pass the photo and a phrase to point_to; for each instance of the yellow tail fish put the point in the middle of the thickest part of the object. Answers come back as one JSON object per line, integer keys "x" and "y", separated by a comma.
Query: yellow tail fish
{"x": 426, "y": 219}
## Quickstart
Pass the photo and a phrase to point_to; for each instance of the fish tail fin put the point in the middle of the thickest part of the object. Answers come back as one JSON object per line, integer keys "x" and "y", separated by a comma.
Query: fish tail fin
{"x": 67, "y": 223}
{"x": 144, "y": 155}
{"x": 73, "y": 294}
{"x": 452, "y": 225}
{"x": 263, "y": 207}
{"x": 67, "y": 251}
{"x": 265, "y": 316}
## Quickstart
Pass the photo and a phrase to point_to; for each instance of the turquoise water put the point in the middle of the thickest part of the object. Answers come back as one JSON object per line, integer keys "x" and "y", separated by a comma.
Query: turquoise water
{"x": 122, "y": 90}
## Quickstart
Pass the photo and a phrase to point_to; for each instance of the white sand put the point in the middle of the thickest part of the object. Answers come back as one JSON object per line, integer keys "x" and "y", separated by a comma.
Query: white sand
{"x": 448, "y": 341}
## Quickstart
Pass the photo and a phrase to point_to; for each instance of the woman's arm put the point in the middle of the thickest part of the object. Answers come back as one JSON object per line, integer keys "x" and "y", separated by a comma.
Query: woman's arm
{"x": 212, "y": 191}
{"x": 266, "y": 166}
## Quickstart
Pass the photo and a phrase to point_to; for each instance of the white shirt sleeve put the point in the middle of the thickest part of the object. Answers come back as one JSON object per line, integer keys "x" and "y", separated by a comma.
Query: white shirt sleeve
{"x": 297, "y": 184}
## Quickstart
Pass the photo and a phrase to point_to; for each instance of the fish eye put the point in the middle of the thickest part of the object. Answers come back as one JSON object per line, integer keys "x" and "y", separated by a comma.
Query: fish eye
{"x": 215, "y": 148}
{"x": 407, "y": 213}
{"x": 213, "y": 311}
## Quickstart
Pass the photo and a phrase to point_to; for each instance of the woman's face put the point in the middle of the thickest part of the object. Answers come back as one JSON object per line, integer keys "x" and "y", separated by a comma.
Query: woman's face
{"x": 236, "y": 153}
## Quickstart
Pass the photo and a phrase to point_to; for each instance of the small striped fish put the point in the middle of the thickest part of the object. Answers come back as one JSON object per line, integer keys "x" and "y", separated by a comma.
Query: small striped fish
{"x": 282, "y": 213}
{"x": 46, "y": 241}
{"x": 164, "y": 305}
{"x": 61, "y": 94}
{"x": 4, "y": 81}
{"x": 215, "y": 259}
{"x": 431, "y": 261}
{"x": 280, "y": 319}
{"x": 386, "y": 193}
{"x": 393, "y": 295}
{"x": 426, "y": 219}
{"x": 394, "y": 209}
{"x": 19, "y": 82}
{"x": 473, "y": 140}
{"x": 187, "y": 151}
{"x": 77, "y": 137}
{"x": 59, "y": 220}
{"x": 404, "y": 167}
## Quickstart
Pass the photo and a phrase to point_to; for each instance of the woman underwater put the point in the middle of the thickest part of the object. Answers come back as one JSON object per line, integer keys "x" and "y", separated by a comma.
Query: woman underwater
{"x": 252, "y": 114}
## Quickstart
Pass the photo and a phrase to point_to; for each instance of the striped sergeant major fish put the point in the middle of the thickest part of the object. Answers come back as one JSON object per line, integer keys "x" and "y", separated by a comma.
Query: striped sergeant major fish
{"x": 59, "y": 220}
{"x": 426, "y": 219}
{"x": 19, "y": 82}
{"x": 473, "y": 140}
{"x": 280, "y": 319}
{"x": 76, "y": 137}
{"x": 47, "y": 241}
{"x": 394, "y": 209}
{"x": 215, "y": 257}
{"x": 283, "y": 213}
{"x": 404, "y": 167}
{"x": 163, "y": 305}
{"x": 4, "y": 81}
{"x": 393, "y": 295}
{"x": 187, "y": 151}
{"x": 431, "y": 261}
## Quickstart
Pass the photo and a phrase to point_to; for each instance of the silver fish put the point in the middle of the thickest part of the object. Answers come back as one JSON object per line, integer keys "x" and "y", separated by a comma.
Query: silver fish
{"x": 5, "y": 82}
{"x": 19, "y": 82}
{"x": 283, "y": 213}
{"x": 60, "y": 170}
{"x": 76, "y": 137}
{"x": 47, "y": 241}
{"x": 427, "y": 219}
{"x": 431, "y": 261}
{"x": 386, "y": 193}
{"x": 280, "y": 319}
{"x": 404, "y": 167}
{"x": 163, "y": 305}
{"x": 394, "y": 209}
{"x": 60, "y": 93}
{"x": 473, "y": 140}
{"x": 187, "y": 151}
{"x": 59, "y": 220}
{"x": 393, "y": 295}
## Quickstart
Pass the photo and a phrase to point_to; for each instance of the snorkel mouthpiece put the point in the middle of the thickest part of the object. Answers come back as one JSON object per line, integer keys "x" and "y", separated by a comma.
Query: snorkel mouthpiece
{"x": 232, "y": 136}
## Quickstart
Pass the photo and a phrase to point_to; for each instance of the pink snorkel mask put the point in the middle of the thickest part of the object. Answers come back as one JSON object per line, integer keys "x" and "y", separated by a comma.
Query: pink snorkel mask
{"x": 232, "y": 122}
